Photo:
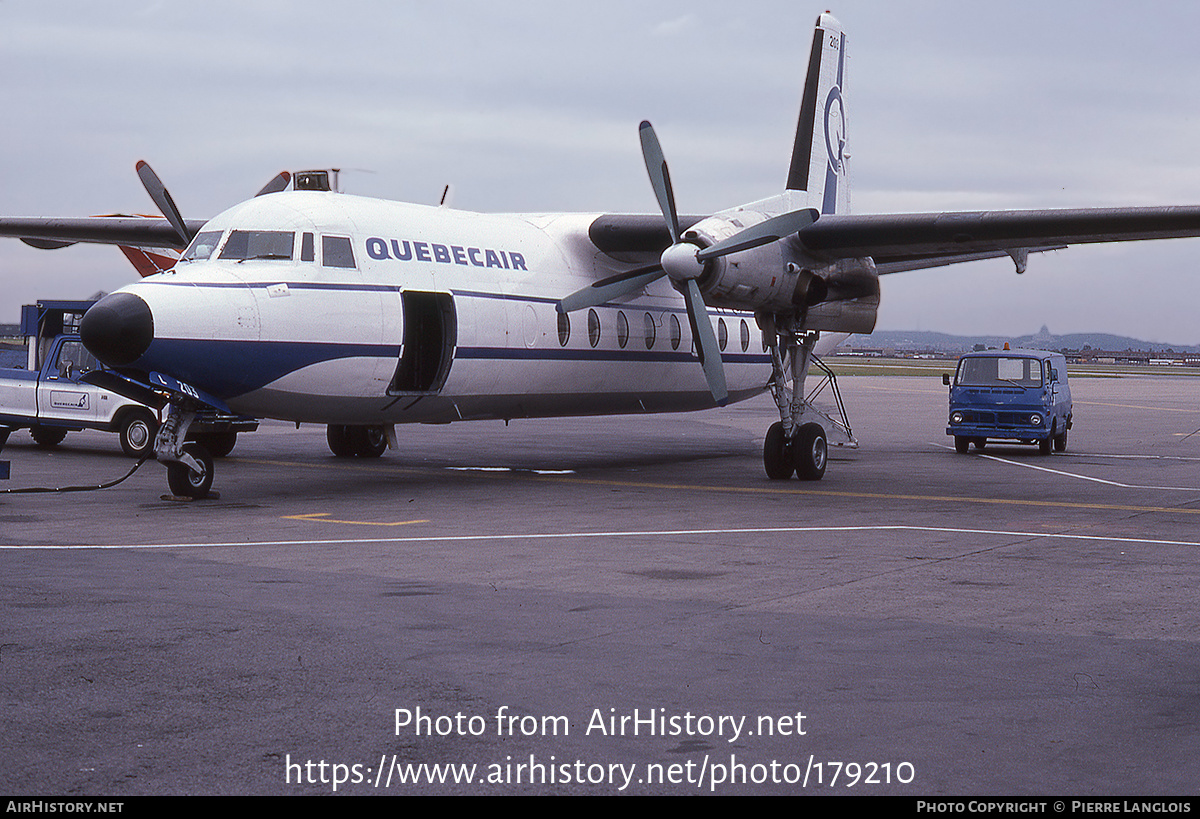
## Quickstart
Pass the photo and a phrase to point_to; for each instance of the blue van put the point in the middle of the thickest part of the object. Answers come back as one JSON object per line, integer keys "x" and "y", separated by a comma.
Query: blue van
{"x": 1014, "y": 395}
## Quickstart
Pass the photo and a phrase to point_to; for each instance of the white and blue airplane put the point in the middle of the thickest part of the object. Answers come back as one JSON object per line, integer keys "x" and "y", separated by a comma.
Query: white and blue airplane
{"x": 313, "y": 306}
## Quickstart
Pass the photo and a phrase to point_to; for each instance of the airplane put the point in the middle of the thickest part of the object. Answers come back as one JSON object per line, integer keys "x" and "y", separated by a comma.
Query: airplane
{"x": 313, "y": 306}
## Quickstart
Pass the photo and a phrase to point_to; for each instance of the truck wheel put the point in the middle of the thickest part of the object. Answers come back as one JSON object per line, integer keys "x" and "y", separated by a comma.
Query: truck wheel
{"x": 810, "y": 451}
{"x": 137, "y": 432}
{"x": 961, "y": 444}
{"x": 218, "y": 444}
{"x": 185, "y": 483}
{"x": 47, "y": 437}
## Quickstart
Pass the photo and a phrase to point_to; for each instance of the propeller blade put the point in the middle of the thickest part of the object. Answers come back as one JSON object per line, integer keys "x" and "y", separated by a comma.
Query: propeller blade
{"x": 706, "y": 342}
{"x": 280, "y": 182}
{"x": 158, "y": 192}
{"x": 605, "y": 290}
{"x": 763, "y": 233}
{"x": 660, "y": 179}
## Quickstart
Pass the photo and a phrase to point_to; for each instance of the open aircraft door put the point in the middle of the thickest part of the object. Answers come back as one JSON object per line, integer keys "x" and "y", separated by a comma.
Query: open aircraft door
{"x": 430, "y": 336}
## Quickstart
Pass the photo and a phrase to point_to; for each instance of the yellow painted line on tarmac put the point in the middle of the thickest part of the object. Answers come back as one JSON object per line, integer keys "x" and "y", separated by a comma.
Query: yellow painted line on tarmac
{"x": 795, "y": 489}
{"x": 1192, "y": 410}
{"x": 827, "y": 493}
{"x": 323, "y": 517}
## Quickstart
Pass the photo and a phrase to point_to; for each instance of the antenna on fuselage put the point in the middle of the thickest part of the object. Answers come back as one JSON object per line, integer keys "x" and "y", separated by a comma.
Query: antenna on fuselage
{"x": 447, "y": 196}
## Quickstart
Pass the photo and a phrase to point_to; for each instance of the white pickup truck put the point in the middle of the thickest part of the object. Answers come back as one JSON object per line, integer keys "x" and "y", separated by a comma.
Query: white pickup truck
{"x": 45, "y": 393}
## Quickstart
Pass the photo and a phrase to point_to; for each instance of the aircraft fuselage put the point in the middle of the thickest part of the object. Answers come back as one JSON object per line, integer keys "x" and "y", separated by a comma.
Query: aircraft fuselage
{"x": 327, "y": 308}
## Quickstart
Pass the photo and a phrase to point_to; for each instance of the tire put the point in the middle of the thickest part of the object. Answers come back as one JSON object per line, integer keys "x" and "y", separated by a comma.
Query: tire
{"x": 1060, "y": 442}
{"x": 368, "y": 442}
{"x": 218, "y": 444}
{"x": 810, "y": 452}
{"x": 1046, "y": 445}
{"x": 137, "y": 431}
{"x": 980, "y": 443}
{"x": 338, "y": 436}
{"x": 961, "y": 444}
{"x": 47, "y": 437}
{"x": 776, "y": 458}
{"x": 185, "y": 483}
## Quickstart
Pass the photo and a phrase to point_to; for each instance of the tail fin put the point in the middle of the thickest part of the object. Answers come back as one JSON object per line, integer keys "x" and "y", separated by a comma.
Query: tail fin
{"x": 818, "y": 158}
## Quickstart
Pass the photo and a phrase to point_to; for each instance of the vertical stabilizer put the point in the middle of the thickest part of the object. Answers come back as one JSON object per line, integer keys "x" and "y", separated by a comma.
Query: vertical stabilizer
{"x": 818, "y": 158}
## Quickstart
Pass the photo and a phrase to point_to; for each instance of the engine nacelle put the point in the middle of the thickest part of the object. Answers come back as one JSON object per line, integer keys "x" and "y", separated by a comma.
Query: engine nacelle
{"x": 779, "y": 278}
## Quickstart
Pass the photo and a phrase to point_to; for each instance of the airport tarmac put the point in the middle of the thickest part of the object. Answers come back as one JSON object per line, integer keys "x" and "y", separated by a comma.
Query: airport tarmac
{"x": 618, "y": 605}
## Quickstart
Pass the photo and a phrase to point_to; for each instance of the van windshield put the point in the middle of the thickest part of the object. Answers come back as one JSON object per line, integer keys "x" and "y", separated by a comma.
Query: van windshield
{"x": 997, "y": 371}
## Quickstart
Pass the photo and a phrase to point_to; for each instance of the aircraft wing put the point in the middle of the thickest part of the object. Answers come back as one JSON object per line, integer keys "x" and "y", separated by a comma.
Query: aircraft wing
{"x": 132, "y": 231}
{"x": 915, "y": 241}
{"x": 911, "y": 241}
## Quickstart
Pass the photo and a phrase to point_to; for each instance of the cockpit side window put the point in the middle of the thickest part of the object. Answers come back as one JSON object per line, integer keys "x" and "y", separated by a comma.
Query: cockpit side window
{"x": 336, "y": 252}
{"x": 202, "y": 247}
{"x": 243, "y": 245}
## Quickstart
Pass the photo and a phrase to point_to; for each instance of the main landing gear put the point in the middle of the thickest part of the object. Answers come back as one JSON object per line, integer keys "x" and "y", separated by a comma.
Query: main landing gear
{"x": 798, "y": 444}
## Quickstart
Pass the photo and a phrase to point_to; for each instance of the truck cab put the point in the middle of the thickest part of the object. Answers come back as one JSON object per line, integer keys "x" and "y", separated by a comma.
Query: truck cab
{"x": 1012, "y": 395}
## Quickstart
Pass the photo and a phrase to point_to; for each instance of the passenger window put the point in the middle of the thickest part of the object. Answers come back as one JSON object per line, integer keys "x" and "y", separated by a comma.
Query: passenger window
{"x": 336, "y": 252}
{"x": 307, "y": 251}
{"x": 564, "y": 329}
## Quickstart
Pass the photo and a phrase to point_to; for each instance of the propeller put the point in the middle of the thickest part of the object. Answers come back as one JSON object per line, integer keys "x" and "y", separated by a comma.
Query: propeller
{"x": 683, "y": 262}
{"x": 162, "y": 200}
{"x": 166, "y": 205}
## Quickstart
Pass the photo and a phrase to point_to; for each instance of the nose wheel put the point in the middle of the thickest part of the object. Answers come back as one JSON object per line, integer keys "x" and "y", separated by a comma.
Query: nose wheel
{"x": 191, "y": 480}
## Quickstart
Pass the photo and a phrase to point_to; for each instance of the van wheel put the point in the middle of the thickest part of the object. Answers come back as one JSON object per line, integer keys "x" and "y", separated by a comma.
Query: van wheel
{"x": 961, "y": 444}
{"x": 1060, "y": 442}
{"x": 1045, "y": 444}
{"x": 980, "y": 443}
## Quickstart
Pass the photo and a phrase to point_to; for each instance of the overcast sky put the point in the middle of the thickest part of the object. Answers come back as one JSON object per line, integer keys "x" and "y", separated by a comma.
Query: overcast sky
{"x": 534, "y": 106}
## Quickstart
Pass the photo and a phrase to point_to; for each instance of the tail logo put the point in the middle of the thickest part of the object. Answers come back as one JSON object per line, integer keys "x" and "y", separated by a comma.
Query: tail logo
{"x": 835, "y": 130}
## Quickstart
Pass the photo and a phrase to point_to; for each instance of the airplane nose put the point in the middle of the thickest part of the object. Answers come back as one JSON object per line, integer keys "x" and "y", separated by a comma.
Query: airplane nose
{"x": 117, "y": 329}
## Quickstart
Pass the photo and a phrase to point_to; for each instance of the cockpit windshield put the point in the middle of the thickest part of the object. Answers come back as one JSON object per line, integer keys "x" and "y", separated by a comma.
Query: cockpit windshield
{"x": 997, "y": 371}
{"x": 243, "y": 245}
{"x": 202, "y": 247}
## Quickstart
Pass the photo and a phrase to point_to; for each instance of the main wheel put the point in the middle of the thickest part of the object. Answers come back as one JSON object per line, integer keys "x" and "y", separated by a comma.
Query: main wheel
{"x": 47, "y": 437}
{"x": 185, "y": 483}
{"x": 368, "y": 442}
{"x": 218, "y": 444}
{"x": 338, "y": 436}
{"x": 1060, "y": 442}
{"x": 137, "y": 432}
{"x": 776, "y": 458}
{"x": 810, "y": 452}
